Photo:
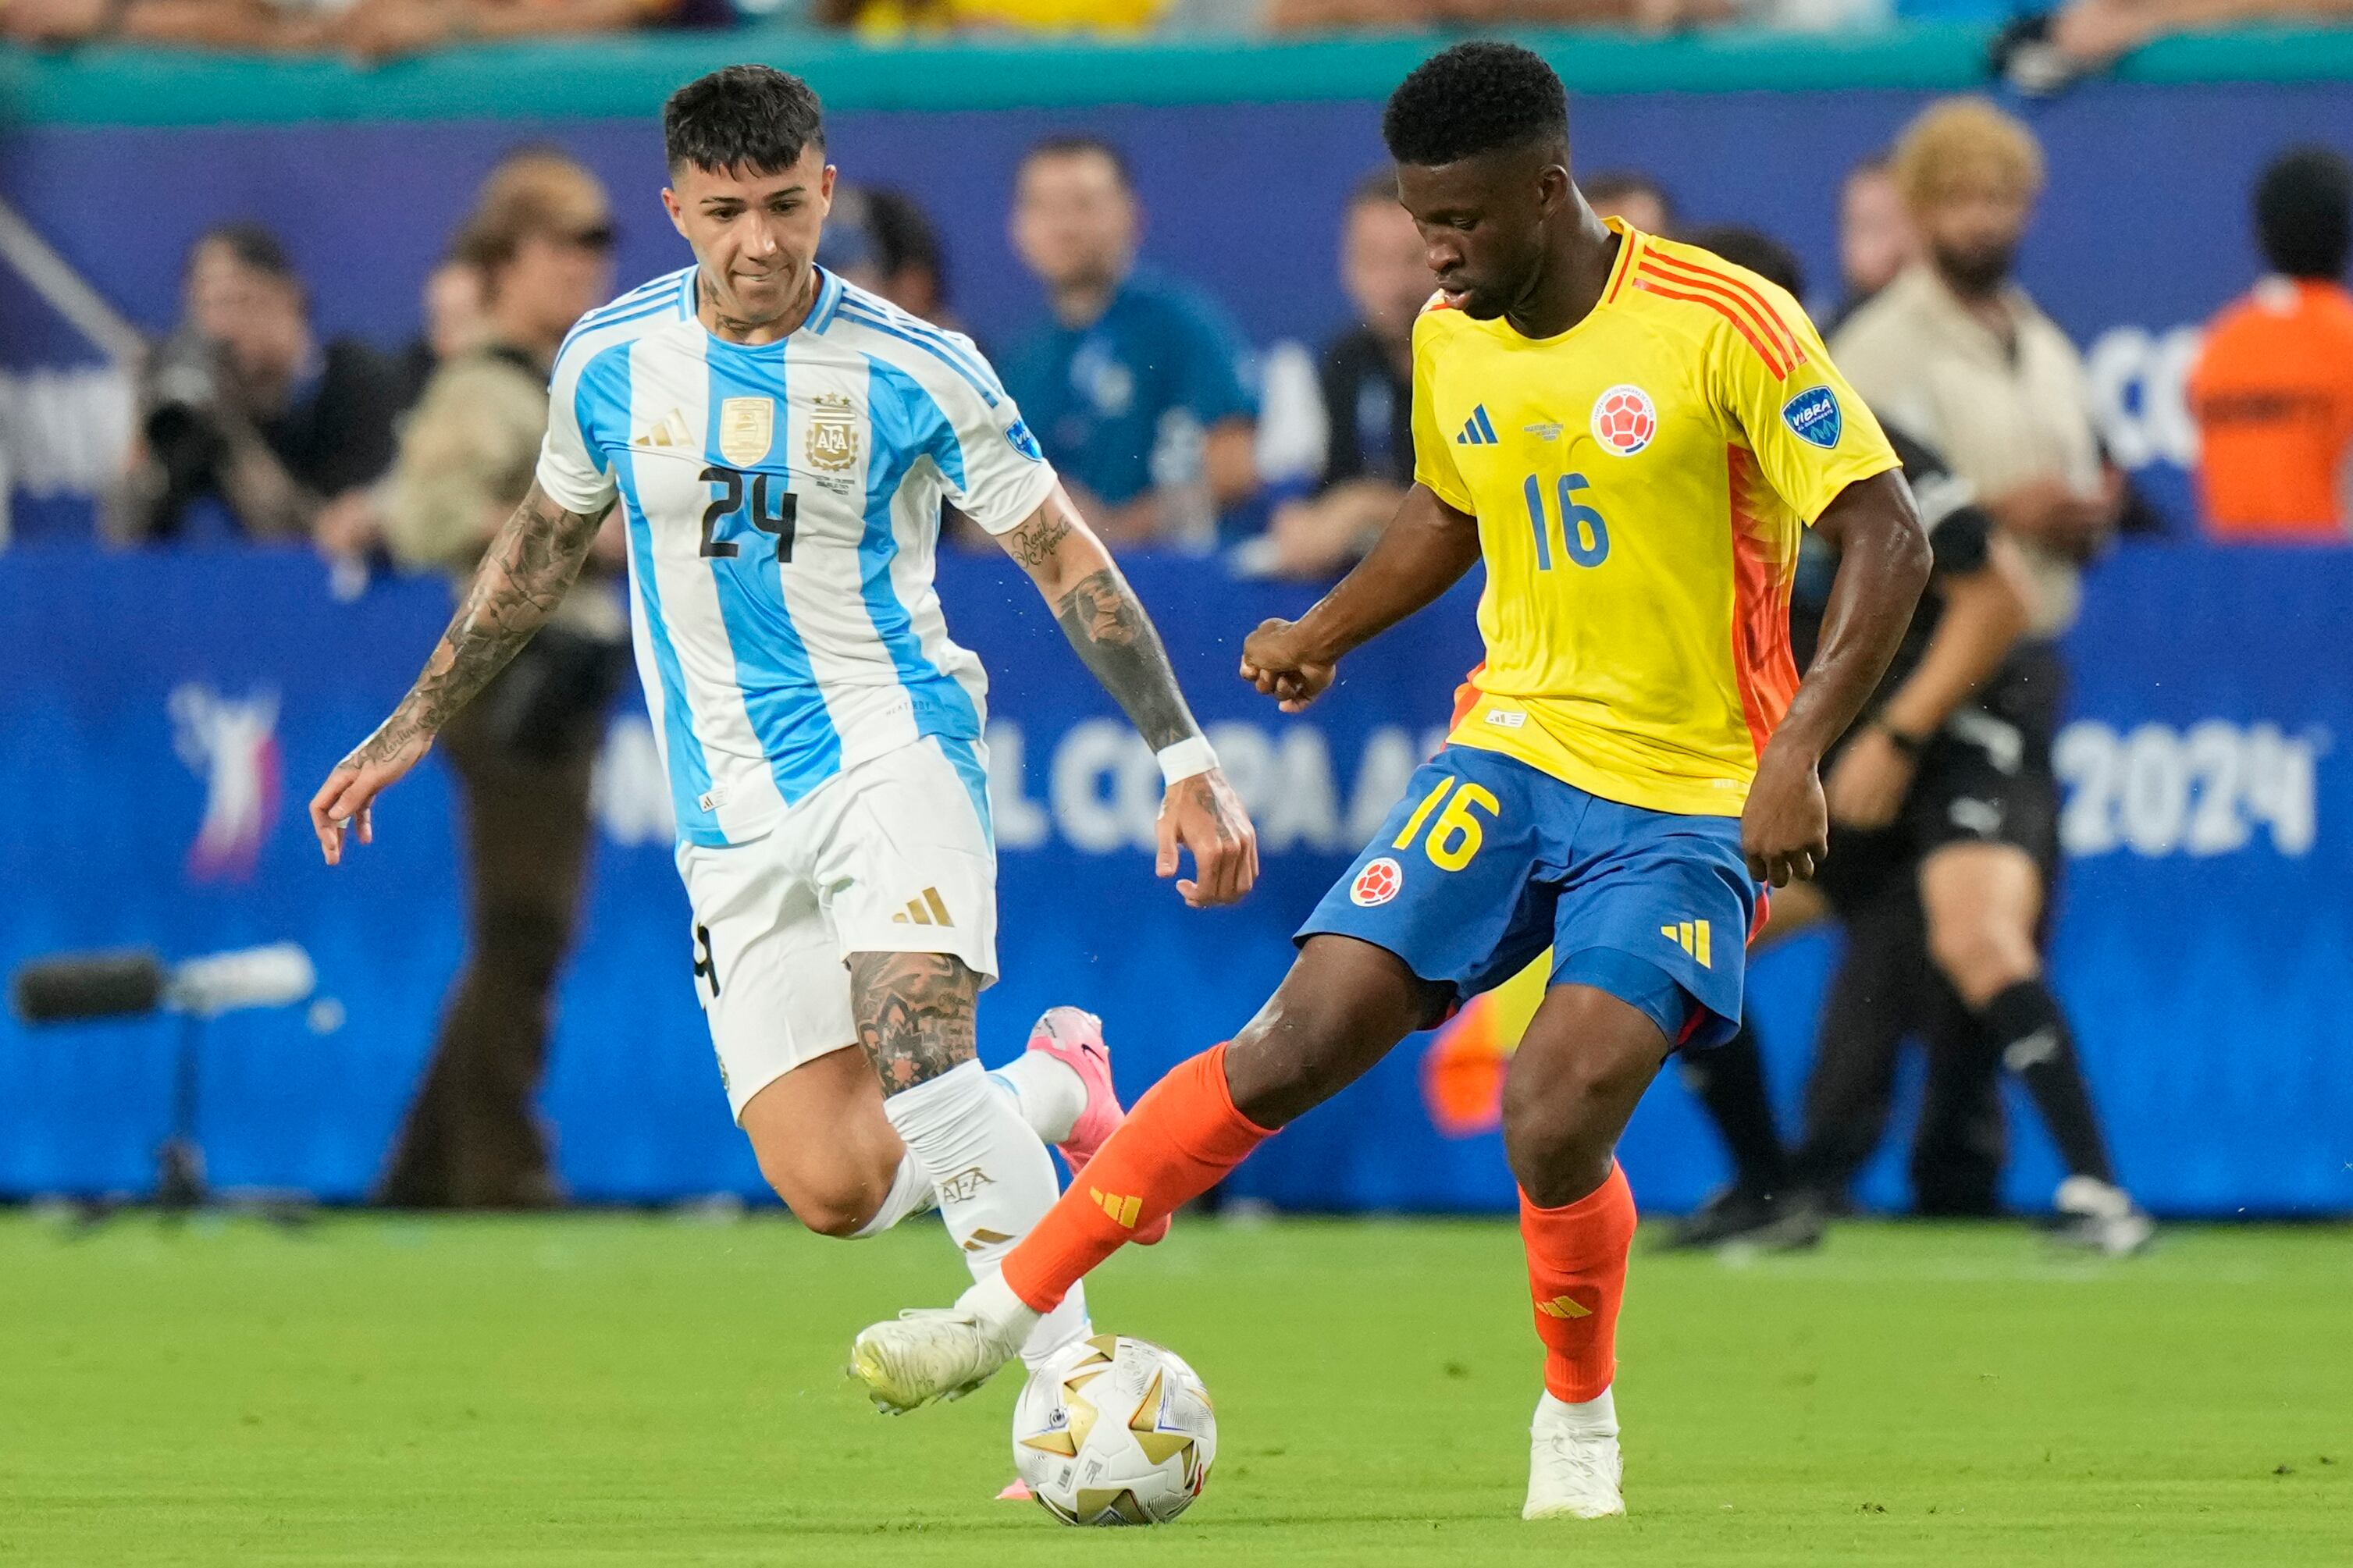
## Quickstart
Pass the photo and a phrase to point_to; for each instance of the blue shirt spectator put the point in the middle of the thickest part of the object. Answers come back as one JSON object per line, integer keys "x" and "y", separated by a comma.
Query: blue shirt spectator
{"x": 1137, "y": 386}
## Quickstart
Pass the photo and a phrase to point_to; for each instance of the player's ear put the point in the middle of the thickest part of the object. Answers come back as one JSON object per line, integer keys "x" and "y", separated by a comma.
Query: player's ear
{"x": 1553, "y": 186}
{"x": 677, "y": 211}
{"x": 825, "y": 189}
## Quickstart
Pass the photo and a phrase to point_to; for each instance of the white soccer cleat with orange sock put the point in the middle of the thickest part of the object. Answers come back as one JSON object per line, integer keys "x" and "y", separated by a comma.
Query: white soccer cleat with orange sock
{"x": 1574, "y": 1468}
{"x": 941, "y": 1353}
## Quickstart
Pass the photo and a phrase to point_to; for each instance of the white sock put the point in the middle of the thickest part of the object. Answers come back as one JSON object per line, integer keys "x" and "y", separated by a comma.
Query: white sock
{"x": 994, "y": 1178}
{"x": 911, "y": 1194}
{"x": 1597, "y": 1417}
{"x": 1050, "y": 1093}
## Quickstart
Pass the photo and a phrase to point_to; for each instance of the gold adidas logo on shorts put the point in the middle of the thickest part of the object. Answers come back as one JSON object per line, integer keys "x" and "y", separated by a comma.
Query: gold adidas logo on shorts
{"x": 927, "y": 910}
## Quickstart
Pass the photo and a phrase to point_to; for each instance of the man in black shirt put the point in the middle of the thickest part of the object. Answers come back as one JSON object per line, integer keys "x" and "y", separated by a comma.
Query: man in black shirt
{"x": 1954, "y": 749}
{"x": 243, "y": 404}
{"x": 1365, "y": 378}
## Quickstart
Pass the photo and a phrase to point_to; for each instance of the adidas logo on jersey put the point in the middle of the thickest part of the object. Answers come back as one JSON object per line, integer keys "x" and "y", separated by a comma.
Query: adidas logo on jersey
{"x": 1691, "y": 936}
{"x": 927, "y": 910}
{"x": 1478, "y": 430}
{"x": 667, "y": 436}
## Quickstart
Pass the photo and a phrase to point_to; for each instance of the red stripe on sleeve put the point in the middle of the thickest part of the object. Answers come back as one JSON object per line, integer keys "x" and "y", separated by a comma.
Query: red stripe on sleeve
{"x": 1650, "y": 285}
{"x": 1761, "y": 310}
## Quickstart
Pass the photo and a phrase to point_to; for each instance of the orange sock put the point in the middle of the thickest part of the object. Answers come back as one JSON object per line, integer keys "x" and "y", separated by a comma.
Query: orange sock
{"x": 1577, "y": 1271}
{"x": 1182, "y": 1137}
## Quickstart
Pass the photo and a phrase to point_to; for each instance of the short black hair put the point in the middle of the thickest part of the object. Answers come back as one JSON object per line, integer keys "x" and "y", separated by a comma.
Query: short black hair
{"x": 1479, "y": 96}
{"x": 904, "y": 233}
{"x": 1078, "y": 144}
{"x": 1757, "y": 251}
{"x": 2303, "y": 212}
{"x": 251, "y": 246}
{"x": 754, "y": 120}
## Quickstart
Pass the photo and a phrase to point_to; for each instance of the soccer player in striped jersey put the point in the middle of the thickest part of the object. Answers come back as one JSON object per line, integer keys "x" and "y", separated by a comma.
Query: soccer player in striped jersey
{"x": 1630, "y": 433}
{"x": 779, "y": 445}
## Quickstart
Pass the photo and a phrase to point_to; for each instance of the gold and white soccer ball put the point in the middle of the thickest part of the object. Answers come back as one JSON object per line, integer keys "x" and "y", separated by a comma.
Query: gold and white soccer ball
{"x": 1114, "y": 1430}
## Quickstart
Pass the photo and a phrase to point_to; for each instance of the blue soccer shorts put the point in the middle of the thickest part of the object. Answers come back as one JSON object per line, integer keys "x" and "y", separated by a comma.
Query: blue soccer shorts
{"x": 1487, "y": 861}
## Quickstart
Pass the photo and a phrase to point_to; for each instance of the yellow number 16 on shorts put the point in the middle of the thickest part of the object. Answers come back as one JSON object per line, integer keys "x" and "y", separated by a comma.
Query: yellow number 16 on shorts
{"x": 1457, "y": 834}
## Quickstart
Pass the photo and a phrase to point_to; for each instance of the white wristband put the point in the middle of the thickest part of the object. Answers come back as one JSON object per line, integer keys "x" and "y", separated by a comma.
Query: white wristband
{"x": 1189, "y": 758}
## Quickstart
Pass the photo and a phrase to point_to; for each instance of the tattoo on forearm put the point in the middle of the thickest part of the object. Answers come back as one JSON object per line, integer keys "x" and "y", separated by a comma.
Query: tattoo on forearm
{"x": 915, "y": 1012}
{"x": 1213, "y": 805}
{"x": 1108, "y": 626}
{"x": 1034, "y": 542}
{"x": 522, "y": 577}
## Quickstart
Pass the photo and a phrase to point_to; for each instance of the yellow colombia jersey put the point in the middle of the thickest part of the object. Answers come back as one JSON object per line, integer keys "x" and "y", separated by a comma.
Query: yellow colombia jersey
{"x": 1639, "y": 483}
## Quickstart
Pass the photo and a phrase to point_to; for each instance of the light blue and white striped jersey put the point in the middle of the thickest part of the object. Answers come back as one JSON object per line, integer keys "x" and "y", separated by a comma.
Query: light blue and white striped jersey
{"x": 783, "y": 504}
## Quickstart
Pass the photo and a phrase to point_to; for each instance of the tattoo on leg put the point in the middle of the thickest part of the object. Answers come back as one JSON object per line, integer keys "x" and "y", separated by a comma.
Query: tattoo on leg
{"x": 915, "y": 1013}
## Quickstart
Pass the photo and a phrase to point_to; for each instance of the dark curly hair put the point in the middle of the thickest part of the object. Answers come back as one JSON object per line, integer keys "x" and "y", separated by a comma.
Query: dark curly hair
{"x": 2303, "y": 212}
{"x": 743, "y": 119}
{"x": 1474, "y": 97}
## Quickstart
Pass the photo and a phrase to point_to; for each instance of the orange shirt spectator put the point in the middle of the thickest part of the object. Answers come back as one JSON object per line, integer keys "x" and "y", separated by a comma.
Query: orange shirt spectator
{"x": 2272, "y": 388}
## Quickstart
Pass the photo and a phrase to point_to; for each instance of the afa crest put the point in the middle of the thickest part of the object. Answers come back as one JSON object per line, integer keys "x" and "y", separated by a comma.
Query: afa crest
{"x": 833, "y": 433}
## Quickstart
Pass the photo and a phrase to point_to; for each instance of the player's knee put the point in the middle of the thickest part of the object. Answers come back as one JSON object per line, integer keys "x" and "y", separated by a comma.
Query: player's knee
{"x": 1560, "y": 1126}
{"x": 1980, "y": 958}
{"x": 833, "y": 1204}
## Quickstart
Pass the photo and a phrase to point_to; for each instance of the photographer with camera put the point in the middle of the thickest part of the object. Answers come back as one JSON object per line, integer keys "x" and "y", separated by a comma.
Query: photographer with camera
{"x": 243, "y": 407}
{"x": 541, "y": 235}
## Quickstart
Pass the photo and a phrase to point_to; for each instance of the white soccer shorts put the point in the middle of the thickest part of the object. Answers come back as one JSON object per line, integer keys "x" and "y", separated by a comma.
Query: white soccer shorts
{"x": 893, "y": 854}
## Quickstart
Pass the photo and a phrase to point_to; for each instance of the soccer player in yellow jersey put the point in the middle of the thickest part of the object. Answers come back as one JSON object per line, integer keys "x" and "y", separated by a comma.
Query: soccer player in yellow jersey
{"x": 1630, "y": 433}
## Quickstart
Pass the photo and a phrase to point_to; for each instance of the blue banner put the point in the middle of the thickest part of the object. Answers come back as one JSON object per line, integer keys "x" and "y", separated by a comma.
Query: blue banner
{"x": 163, "y": 718}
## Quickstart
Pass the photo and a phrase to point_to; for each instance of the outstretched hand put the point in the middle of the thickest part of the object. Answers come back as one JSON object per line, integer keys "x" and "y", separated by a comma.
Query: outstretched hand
{"x": 348, "y": 797}
{"x": 1276, "y": 660}
{"x": 1203, "y": 815}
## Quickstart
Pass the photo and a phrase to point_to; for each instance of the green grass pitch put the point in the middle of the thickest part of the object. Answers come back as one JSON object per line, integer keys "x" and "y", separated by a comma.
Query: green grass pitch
{"x": 605, "y": 1390}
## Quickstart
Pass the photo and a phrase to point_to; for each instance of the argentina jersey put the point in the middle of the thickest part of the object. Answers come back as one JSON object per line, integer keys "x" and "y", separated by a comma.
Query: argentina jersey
{"x": 783, "y": 505}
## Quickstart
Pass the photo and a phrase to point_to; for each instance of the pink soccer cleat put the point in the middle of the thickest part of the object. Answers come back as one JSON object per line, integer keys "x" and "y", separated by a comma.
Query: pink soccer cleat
{"x": 1015, "y": 1490}
{"x": 1074, "y": 1037}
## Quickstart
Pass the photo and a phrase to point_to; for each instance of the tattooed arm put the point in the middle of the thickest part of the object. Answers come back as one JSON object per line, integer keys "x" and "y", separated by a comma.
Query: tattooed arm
{"x": 1106, "y": 623}
{"x": 531, "y": 562}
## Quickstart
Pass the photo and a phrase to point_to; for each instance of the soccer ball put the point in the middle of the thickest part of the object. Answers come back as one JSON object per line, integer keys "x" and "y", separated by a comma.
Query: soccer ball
{"x": 1114, "y": 1430}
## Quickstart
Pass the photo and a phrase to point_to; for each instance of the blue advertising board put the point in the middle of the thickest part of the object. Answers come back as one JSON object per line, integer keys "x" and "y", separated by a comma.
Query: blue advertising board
{"x": 163, "y": 717}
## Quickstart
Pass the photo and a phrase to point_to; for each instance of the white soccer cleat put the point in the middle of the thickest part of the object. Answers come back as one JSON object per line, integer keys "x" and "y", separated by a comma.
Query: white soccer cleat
{"x": 941, "y": 1353}
{"x": 2101, "y": 1217}
{"x": 1574, "y": 1468}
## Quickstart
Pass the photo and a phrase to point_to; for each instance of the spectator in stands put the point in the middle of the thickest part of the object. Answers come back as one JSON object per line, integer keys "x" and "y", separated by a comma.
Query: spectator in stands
{"x": 881, "y": 239}
{"x": 2092, "y": 35}
{"x": 2273, "y": 387}
{"x": 1138, "y": 386}
{"x": 1366, "y": 379}
{"x": 454, "y": 310}
{"x": 349, "y": 529}
{"x": 1876, "y": 240}
{"x": 1955, "y": 352}
{"x": 896, "y": 18}
{"x": 542, "y": 234}
{"x": 1647, "y": 16}
{"x": 243, "y": 406}
{"x": 1633, "y": 196}
{"x": 371, "y": 29}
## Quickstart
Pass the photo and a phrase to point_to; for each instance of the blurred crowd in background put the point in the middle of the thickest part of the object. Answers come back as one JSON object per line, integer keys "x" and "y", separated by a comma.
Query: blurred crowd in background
{"x": 1154, "y": 408}
{"x": 2041, "y": 46}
